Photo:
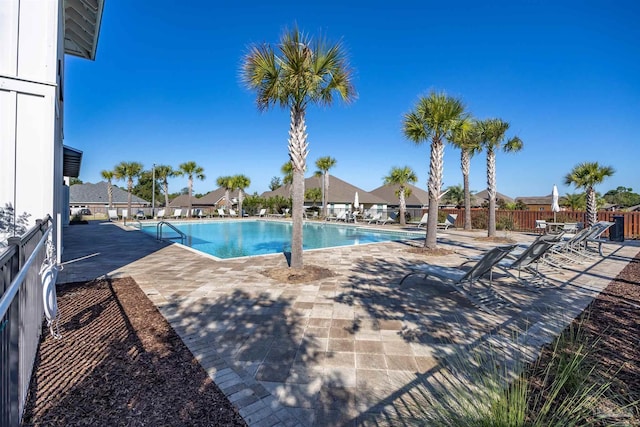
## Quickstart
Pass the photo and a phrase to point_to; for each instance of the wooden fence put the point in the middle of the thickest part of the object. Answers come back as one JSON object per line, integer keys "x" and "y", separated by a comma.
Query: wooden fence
{"x": 525, "y": 220}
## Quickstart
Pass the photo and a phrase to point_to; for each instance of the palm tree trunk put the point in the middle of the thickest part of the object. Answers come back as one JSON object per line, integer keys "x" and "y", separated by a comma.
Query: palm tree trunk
{"x": 592, "y": 209}
{"x": 298, "y": 150}
{"x": 325, "y": 183}
{"x": 491, "y": 191}
{"x": 110, "y": 193}
{"x": 227, "y": 202}
{"x": 129, "y": 189}
{"x": 165, "y": 184}
{"x": 240, "y": 200}
{"x": 403, "y": 206}
{"x": 190, "y": 192}
{"x": 465, "y": 164}
{"x": 436, "y": 165}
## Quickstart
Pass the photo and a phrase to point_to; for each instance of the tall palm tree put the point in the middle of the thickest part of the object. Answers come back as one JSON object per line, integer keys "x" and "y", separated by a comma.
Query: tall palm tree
{"x": 586, "y": 176}
{"x": 455, "y": 195}
{"x": 492, "y": 137}
{"x": 299, "y": 71}
{"x": 108, "y": 175}
{"x": 433, "y": 120}
{"x": 191, "y": 170}
{"x": 240, "y": 182}
{"x": 163, "y": 173}
{"x": 128, "y": 171}
{"x": 466, "y": 138}
{"x": 324, "y": 164}
{"x": 401, "y": 177}
{"x": 226, "y": 182}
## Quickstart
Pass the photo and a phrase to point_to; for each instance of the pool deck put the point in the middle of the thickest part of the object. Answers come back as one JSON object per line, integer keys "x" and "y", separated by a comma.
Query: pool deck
{"x": 351, "y": 349}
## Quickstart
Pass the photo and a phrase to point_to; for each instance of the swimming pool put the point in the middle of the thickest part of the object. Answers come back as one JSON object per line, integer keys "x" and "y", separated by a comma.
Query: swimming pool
{"x": 232, "y": 239}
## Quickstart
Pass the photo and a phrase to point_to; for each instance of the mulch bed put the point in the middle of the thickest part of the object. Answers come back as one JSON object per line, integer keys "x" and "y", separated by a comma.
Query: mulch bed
{"x": 119, "y": 363}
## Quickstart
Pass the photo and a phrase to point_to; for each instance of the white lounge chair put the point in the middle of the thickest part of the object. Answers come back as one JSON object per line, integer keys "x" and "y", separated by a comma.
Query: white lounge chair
{"x": 233, "y": 213}
{"x": 448, "y": 222}
{"x": 374, "y": 219}
{"x": 541, "y": 226}
{"x": 177, "y": 213}
{"x": 160, "y": 214}
{"x": 342, "y": 215}
{"x": 463, "y": 281}
{"x": 113, "y": 214}
{"x": 388, "y": 220}
{"x": 263, "y": 212}
{"x": 221, "y": 213}
{"x": 423, "y": 220}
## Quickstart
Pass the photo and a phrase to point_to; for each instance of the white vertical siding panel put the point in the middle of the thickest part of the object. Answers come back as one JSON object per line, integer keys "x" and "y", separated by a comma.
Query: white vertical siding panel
{"x": 7, "y": 145}
{"x": 37, "y": 40}
{"x": 9, "y": 37}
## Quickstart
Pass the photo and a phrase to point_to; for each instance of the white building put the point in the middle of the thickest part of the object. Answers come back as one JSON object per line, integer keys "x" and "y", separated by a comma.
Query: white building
{"x": 34, "y": 37}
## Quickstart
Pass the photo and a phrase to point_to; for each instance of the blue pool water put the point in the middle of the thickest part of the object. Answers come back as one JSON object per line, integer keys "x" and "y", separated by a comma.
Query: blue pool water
{"x": 231, "y": 239}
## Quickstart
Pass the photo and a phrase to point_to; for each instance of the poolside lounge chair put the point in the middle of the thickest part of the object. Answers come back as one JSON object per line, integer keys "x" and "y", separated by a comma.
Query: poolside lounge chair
{"x": 113, "y": 214}
{"x": 342, "y": 215}
{"x": 423, "y": 220}
{"x": 374, "y": 219}
{"x": 263, "y": 212}
{"x": 160, "y": 214}
{"x": 388, "y": 220}
{"x": 541, "y": 226}
{"x": 141, "y": 215}
{"x": 177, "y": 213}
{"x": 232, "y": 213}
{"x": 448, "y": 222}
{"x": 463, "y": 281}
{"x": 221, "y": 213}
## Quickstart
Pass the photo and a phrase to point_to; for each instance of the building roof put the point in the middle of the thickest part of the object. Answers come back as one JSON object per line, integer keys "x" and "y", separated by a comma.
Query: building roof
{"x": 212, "y": 198}
{"x": 483, "y": 196}
{"x": 535, "y": 200}
{"x": 98, "y": 194}
{"x": 339, "y": 191}
{"x": 418, "y": 197}
{"x": 82, "y": 20}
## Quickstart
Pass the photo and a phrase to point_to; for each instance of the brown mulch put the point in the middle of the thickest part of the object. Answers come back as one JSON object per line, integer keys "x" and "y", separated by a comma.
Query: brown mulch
{"x": 119, "y": 363}
{"x": 308, "y": 273}
{"x": 610, "y": 330}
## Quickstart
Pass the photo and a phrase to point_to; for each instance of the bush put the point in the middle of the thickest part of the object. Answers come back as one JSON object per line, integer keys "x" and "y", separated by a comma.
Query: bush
{"x": 480, "y": 220}
{"x": 505, "y": 223}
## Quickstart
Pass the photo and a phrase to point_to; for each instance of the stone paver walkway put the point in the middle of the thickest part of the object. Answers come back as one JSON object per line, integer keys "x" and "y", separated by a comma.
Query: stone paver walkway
{"x": 346, "y": 350}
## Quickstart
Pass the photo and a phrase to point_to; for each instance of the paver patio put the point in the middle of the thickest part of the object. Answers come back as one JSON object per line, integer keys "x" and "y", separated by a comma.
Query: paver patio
{"x": 346, "y": 350}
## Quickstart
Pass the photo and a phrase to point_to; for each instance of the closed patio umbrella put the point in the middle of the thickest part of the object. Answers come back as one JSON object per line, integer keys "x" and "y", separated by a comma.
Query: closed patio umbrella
{"x": 555, "y": 207}
{"x": 356, "y": 202}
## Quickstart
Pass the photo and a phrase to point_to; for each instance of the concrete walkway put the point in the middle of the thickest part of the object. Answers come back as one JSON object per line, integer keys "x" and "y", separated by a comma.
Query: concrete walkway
{"x": 346, "y": 350}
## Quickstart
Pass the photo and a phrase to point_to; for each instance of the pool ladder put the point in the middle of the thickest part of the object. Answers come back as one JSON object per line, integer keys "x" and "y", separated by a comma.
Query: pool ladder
{"x": 183, "y": 236}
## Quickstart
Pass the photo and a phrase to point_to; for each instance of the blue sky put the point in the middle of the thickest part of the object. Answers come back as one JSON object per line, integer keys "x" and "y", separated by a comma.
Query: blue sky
{"x": 165, "y": 88}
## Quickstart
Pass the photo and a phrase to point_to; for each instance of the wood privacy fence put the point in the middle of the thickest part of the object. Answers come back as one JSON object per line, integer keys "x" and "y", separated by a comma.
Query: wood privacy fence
{"x": 525, "y": 220}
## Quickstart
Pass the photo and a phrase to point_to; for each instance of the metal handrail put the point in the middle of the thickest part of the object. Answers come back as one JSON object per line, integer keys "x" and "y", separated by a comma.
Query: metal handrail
{"x": 7, "y": 297}
{"x": 159, "y": 231}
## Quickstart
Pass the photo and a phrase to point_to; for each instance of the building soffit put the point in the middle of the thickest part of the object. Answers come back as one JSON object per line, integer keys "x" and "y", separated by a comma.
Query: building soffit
{"x": 82, "y": 20}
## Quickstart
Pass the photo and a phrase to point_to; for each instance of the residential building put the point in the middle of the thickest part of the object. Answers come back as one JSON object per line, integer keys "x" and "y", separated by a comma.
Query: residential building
{"x": 95, "y": 198}
{"x": 35, "y": 36}
{"x": 418, "y": 198}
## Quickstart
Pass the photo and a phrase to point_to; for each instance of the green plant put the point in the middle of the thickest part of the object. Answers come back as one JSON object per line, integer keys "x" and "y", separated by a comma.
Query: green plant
{"x": 480, "y": 220}
{"x": 505, "y": 223}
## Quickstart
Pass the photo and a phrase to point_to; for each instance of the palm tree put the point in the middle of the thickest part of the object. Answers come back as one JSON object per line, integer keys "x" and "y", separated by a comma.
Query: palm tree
{"x": 574, "y": 201}
{"x": 324, "y": 164}
{"x": 240, "y": 182}
{"x": 492, "y": 135}
{"x": 108, "y": 175}
{"x": 287, "y": 171}
{"x": 586, "y": 176}
{"x": 191, "y": 170}
{"x": 163, "y": 173}
{"x": 466, "y": 138}
{"x": 455, "y": 195}
{"x": 226, "y": 182}
{"x": 314, "y": 194}
{"x": 401, "y": 177}
{"x": 434, "y": 119}
{"x": 128, "y": 171}
{"x": 298, "y": 72}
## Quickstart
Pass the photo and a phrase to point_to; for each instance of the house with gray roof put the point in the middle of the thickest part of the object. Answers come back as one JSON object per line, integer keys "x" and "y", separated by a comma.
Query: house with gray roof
{"x": 340, "y": 196}
{"x": 418, "y": 198}
{"x": 95, "y": 197}
{"x": 482, "y": 197}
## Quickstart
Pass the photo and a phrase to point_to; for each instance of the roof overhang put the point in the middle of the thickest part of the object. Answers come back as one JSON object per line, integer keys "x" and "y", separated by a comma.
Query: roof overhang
{"x": 71, "y": 160}
{"x": 82, "y": 19}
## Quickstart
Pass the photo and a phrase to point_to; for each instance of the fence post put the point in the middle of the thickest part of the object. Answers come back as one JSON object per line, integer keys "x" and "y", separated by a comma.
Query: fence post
{"x": 14, "y": 338}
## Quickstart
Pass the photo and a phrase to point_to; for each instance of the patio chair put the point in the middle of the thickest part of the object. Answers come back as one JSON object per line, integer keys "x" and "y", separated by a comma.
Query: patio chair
{"x": 528, "y": 258}
{"x": 461, "y": 280}
{"x": 141, "y": 215}
{"x": 388, "y": 220}
{"x": 541, "y": 226}
{"x": 340, "y": 217}
{"x": 263, "y": 212}
{"x": 448, "y": 222}
{"x": 575, "y": 250}
{"x": 177, "y": 213}
{"x": 233, "y": 213}
{"x": 221, "y": 213}
{"x": 113, "y": 214}
{"x": 160, "y": 214}
{"x": 423, "y": 220}
{"x": 374, "y": 219}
